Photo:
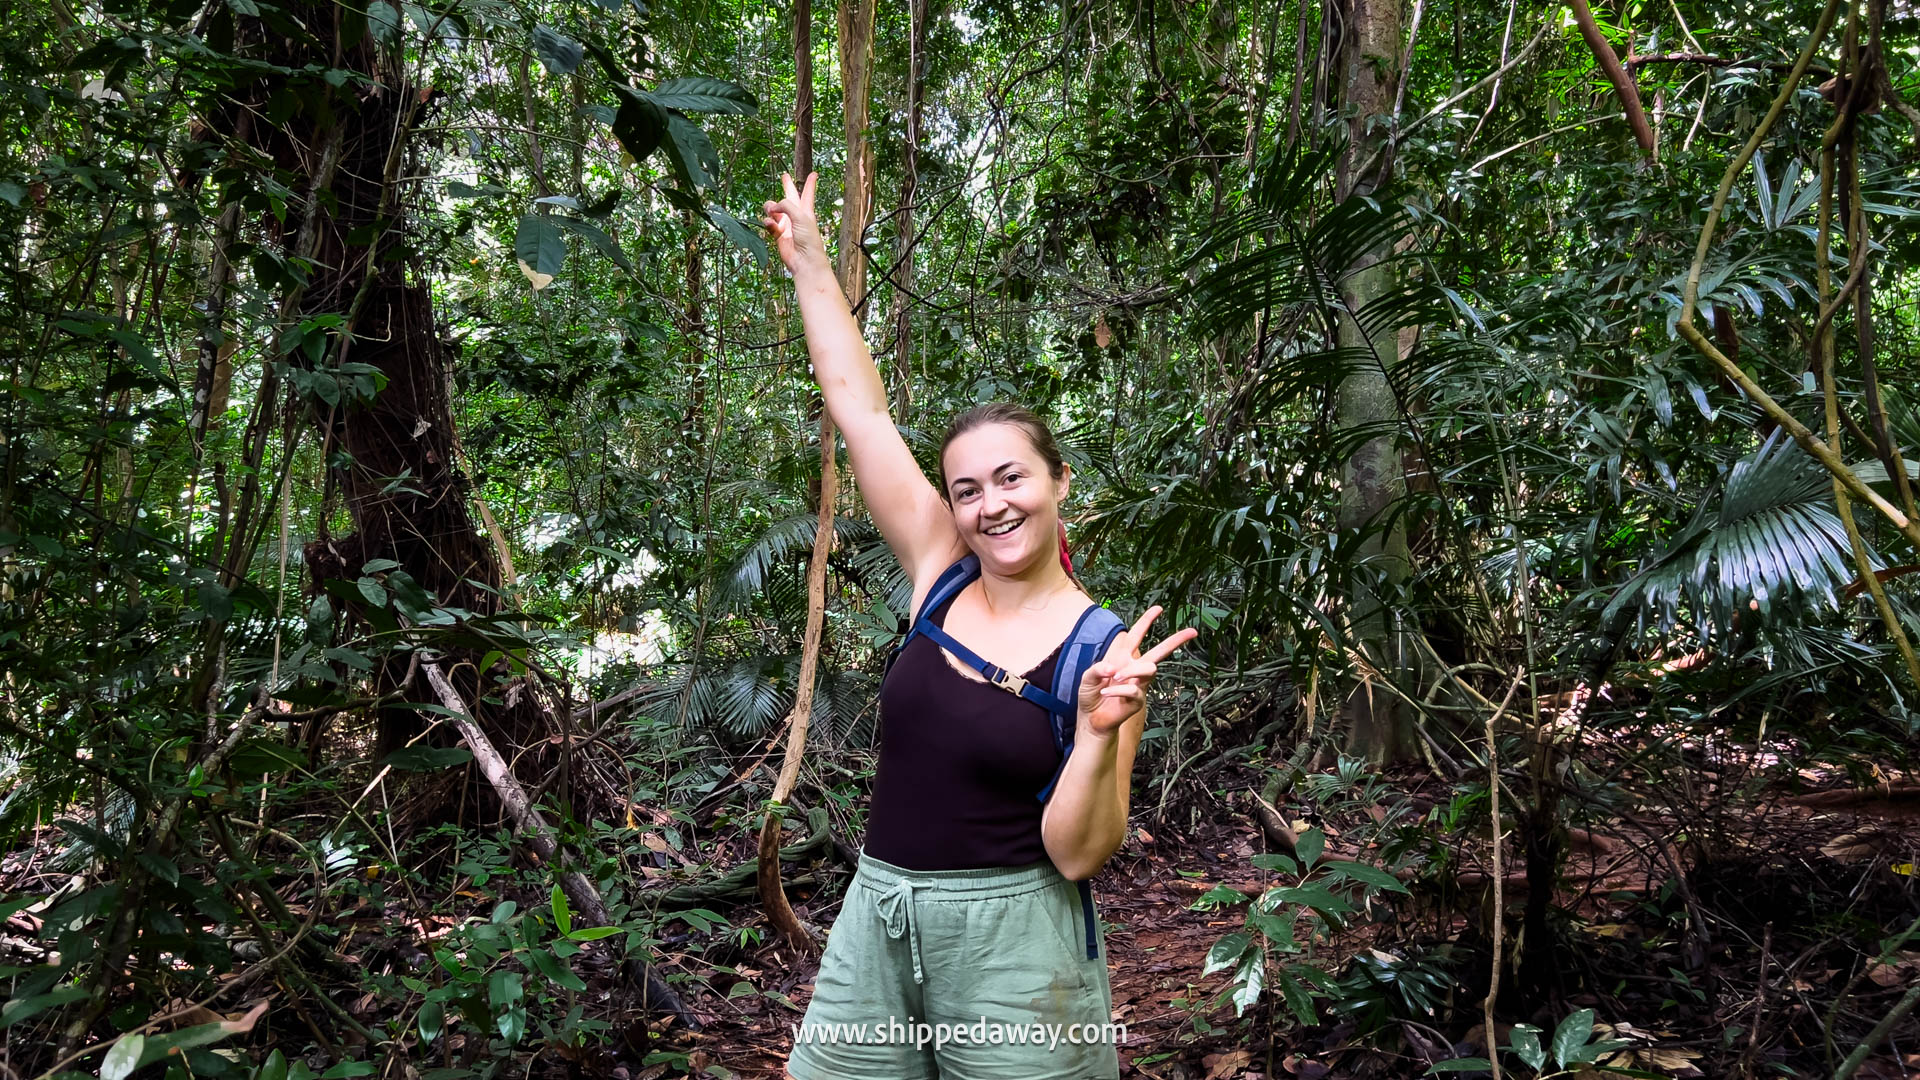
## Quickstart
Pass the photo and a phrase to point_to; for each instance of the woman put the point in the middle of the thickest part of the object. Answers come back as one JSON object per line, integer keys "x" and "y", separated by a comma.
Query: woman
{"x": 957, "y": 952}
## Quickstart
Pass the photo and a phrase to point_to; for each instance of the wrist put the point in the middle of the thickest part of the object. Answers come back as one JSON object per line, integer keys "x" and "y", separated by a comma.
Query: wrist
{"x": 812, "y": 267}
{"x": 1085, "y": 732}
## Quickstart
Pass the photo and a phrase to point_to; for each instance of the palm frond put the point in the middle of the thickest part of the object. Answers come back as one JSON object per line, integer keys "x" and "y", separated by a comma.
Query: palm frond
{"x": 787, "y": 541}
{"x": 1770, "y": 535}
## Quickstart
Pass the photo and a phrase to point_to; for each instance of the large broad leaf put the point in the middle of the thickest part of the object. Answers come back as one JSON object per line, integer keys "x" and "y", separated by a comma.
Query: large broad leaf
{"x": 639, "y": 124}
{"x": 703, "y": 95}
{"x": 427, "y": 758}
{"x": 541, "y": 249}
{"x": 598, "y": 238}
{"x": 559, "y": 54}
{"x": 736, "y": 230}
{"x": 1249, "y": 979}
{"x": 1226, "y": 952}
{"x": 383, "y": 18}
{"x": 1571, "y": 1037}
{"x": 694, "y": 158}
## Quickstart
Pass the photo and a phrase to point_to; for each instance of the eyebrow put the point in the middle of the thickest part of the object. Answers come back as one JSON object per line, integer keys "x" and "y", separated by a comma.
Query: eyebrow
{"x": 958, "y": 480}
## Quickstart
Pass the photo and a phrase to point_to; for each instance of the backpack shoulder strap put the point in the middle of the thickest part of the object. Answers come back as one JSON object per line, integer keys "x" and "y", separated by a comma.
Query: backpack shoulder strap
{"x": 945, "y": 587}
{"x": 1091, "y": 638}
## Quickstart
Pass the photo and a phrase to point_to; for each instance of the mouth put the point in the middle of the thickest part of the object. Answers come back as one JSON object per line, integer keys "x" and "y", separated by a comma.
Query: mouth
{"x": 1005, "y": 528}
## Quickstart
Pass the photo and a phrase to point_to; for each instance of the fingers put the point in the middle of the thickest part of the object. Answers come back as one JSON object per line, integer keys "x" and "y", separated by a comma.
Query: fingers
{"x": 1123, "y": 691}
{"x": 1138, "y": 631}
{"x": 806, "y": 194}
{"x": 1165, "y": 648}
{"x": 786, "y": 182}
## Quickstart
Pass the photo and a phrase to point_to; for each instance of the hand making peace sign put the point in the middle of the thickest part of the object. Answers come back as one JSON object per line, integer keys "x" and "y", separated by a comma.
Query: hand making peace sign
{"x": 1114, "y": 690}
{"x": 793, "y": 224}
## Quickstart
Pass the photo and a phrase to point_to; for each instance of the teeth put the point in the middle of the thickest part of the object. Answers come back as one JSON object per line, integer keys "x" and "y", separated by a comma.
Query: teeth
{"x": 1002, "y": 530}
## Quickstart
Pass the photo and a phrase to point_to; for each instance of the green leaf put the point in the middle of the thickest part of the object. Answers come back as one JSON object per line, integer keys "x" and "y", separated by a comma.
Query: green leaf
{"x": 615, "y": 73}
{"x": 162, "y": 868}
{"x": 174, "y": 1043}
{"x": 557, "y": 971}
{"x": 1466, "y": 1064}
{"x": 374, "y": 592}
{"x": 433, "y": 1017}
{"x": 274, "y": 1068}
{"x": 505, "y": 989}
{"x": 699, "y": 94}
{"x": 736, "y": 230}
{"x": 1571, "y": 1037}
{"x": 562, "y": 914}
{"x": 460, "y": 189}
{"x": 595, "y": 933}
{"x": 20, "y": 1008}
{"x": 1316, "y": 897}
{"x": 123, "y": 1057}
{"x": 427, "y": 758}
{"x": 1282, "y": 863}
{"x": 540, "y": 245}
{"x": 1526, "y": 1044}
{"x": 559, "y": 54}
{"x": 1226, "y": 953}
{"x": 1366, "y": 875}
{"x": 1309, "y": 846}
{"x": 598, "y": 239}
{"x": 684, "y": 200}
{"x": 1219, "y": 895}
{"x": 639, "y": 124}
{"x": 1298, "y": 999}
{"x": 384, "y": 20}
{"x": 1277, "y": 931}
{"x": 694, "y": 158}
{"x": 1249, "y": 979}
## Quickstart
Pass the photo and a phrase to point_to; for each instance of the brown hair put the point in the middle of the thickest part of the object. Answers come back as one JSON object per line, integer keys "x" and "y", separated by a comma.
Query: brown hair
{"x": 1037, "y": 433}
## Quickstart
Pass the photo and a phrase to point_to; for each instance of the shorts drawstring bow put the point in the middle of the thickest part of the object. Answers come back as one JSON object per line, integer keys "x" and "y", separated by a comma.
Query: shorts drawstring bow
{"x": 896, "y": 911}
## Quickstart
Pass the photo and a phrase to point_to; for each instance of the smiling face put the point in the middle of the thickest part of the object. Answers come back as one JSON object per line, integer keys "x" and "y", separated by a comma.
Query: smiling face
{"x": 1006, "y": 502}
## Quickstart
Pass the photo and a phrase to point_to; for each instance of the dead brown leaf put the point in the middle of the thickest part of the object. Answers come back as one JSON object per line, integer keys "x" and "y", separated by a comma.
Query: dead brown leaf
{"x": 1221, "y": 1066}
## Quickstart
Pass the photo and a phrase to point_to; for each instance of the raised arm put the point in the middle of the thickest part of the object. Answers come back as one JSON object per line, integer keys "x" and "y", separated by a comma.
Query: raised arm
{"x": 910, "y": 514}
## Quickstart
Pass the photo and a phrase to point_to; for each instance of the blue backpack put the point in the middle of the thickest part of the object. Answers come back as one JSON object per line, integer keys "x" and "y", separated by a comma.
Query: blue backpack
{"x": 1089, "y": 641}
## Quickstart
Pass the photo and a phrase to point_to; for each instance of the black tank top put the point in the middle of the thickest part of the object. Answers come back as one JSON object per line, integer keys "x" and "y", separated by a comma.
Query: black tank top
{"x": 961, "y": 766}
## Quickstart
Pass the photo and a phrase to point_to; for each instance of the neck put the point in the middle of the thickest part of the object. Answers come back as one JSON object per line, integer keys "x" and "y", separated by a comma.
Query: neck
{"x": 1029, "y": 590}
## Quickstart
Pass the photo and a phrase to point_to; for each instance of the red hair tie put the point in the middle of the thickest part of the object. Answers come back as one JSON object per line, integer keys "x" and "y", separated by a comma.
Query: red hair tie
{"x": 1066, "y": 560}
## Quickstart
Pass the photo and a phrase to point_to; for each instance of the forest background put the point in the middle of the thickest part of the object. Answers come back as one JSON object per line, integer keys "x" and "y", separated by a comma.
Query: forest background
{"x": 422, "y": 651}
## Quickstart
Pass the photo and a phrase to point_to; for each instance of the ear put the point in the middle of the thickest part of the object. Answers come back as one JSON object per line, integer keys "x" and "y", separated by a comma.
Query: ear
{"x": 1066, "y": 480}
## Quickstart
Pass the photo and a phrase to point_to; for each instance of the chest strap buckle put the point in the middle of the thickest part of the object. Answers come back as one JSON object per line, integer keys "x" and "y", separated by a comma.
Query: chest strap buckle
{"x": 1013, "y": 684}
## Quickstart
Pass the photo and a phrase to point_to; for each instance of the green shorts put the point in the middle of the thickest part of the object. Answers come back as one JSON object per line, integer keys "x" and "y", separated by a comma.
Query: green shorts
{"x": 959, "y": 975}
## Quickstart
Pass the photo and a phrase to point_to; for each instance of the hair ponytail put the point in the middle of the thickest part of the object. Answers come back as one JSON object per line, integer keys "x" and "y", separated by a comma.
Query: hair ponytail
{"x": 1066, "y": 557}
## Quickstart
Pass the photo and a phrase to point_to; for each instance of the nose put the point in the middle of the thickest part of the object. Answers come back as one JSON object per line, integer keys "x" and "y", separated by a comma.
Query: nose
{"x": 992, "y": 503}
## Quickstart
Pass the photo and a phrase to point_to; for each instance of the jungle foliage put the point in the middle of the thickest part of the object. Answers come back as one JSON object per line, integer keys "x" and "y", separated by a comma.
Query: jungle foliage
{"x": 411, "y": 470}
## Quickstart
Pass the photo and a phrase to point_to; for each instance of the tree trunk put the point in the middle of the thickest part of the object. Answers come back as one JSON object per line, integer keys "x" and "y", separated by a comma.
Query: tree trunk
{"x": 1372, "y": 480}
{"x": 397, "y": 452}
{"x": 903, "y": 259}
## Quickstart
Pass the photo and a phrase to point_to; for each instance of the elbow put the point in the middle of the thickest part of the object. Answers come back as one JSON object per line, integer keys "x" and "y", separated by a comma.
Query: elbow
{"x": 1079, "y": 870}
{"x": 1085, "y": 859}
